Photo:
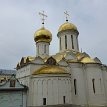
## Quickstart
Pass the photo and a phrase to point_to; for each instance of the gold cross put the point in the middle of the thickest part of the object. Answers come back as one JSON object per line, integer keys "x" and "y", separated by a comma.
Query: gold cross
{"x": 66, "y": 13}
{"x": 43, "y": 17}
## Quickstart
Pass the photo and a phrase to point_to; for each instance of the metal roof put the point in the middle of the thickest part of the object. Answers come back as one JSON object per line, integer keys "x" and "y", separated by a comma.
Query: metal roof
{"x": 7, "y": 72}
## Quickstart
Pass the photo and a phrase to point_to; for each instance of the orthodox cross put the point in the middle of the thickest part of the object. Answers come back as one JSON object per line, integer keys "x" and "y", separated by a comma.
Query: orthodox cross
{"x": 43, "y": 17}
{"x": 66, "y": 13}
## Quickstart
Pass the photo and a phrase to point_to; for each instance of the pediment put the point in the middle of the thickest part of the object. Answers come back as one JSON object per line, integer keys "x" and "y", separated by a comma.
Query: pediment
{"x": 22, "y": 61}
{"x": 97, "y": 60}
{"x": 70, "y": 56}
{"x": 51, "y": 61}
{"x": 62, "y": 63}
{"x": 82, "y": 55}
{"x": 38, "y": 60}
{"x": 85, "y": 54}
{"x": 12, "y": 82}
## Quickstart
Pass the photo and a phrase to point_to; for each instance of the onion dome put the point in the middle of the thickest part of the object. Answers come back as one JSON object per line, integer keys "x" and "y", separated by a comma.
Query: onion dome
{"x": 67, "y": 26}
{"x": 50, "y": 70}
{"x": 43, "y": 35}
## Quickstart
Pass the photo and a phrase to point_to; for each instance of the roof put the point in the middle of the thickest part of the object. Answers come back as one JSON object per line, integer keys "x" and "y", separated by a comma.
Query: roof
{"x": 68, "y": 56}
{"x": 43, "y": 35}
{"x": 67, "y": 26}
{"x": 13, "y": 81}
{"x": 50, "y": 70}
{"x": 7, "y": 72}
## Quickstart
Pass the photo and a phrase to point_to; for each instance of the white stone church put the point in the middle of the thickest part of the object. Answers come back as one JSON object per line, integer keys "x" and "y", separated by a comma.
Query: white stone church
{"x": 69, "y": 78}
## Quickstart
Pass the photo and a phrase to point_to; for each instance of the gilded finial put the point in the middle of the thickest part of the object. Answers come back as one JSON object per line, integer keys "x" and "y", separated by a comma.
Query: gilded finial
{"x": 66, "y": 14}
{"x": 43, "y": 17}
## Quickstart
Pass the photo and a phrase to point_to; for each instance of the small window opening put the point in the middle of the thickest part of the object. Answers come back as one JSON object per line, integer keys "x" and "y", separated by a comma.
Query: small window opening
{"x": 64, "y": 99}
{"x": 60, "y": 43}
{"x": 100, "y": 85}
{"x": 75, "y": 86}
{"x": 44, "y": 48}
{"x": 38, "y": 49}
{"x": 65, "y": 42}
{"x": 77, "y": 43}
{"x": 12, "y": 83}
{"x": 93, "y": 82}
{"x": 72, "y": 41}
{"x": 44, "y": 101}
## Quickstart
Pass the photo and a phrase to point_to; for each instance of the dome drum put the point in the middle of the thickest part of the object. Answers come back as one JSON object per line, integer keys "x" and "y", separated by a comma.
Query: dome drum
{"x": 68, "y": 31}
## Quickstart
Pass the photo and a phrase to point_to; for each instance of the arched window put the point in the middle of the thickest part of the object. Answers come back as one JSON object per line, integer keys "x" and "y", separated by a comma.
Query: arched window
{"x": 65, "y": 42}
{"x": 44, "y": 48}
{"x": 77, "y": 42}
{"x": 100, "y": 85}
{"x": 93, "y": 82}
{"x": 60, "y": 43}
{"x": 51, "y": 61}
{"x": 38, "y": 49}
{"x": 12, "y": 83}
{"x": 75, "y": 86}
{"x": 72, "y": 41}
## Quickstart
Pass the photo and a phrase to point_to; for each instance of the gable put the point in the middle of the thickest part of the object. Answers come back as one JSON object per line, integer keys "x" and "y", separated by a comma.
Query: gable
{"x": 12, "y": 83}
{"x": 62, "y": 63}
{"x": 97, "y": 60}
{"x": 70, "y": 56}
{"x": 51, "y": 61}
{"x": 38, "y": 60}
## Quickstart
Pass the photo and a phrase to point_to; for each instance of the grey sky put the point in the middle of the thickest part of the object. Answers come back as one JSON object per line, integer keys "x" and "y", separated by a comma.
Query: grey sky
{"x": 19, "y": 20}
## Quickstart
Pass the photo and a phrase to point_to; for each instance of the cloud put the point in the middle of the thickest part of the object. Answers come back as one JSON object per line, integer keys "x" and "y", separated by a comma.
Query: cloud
{"x": 19, "y": 20}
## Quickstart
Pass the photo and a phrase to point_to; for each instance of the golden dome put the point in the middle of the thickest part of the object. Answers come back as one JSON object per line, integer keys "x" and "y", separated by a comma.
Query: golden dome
{"x": 43, "y": 35}
{"x": 87, "y": 60}
{"x": 50, "y": 70}
{"x": 67, "y": 26}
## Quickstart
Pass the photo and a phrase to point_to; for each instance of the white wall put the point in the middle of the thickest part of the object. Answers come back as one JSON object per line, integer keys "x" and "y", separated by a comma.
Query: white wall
{"x": 52, "y": 88}
{"x": 104, "y": 71}
{"x": 77, "y": 73}
{"x": 94, "y": 71}
{"x": 42, "y": 49}
{"x": 68, "y": 34}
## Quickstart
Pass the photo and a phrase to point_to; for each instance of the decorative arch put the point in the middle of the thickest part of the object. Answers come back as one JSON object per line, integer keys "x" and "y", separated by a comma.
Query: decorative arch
{"x": 51, "y": 61}
{"x": 22, "y": 62}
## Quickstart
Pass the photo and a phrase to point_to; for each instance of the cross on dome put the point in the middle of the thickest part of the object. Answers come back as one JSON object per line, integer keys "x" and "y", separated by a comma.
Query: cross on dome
{"x": 66, "y": 14}
{"x": 43, "y": 16}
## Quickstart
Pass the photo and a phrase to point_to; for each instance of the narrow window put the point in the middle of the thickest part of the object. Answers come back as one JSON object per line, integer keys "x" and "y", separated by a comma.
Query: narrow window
{"x": 75, "y": 86}
{"x": 12, "y": 83}
{"x": 60, "y": 43}
{"x": 64, "y": 99}
{"x": 44, "y": 101}
{"x": 93, "y": 82}
{"x": 38, "y": 49}
{"x": 77, "y": 43}
{"x": 65, "y": 42}
{"x": 100, "y": 85}
{"x": 72, "y": 41}
{"x": 44, "y": 48}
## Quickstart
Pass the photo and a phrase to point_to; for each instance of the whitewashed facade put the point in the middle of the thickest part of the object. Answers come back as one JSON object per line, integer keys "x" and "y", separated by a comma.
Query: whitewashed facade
{"x": 70, "y": 78}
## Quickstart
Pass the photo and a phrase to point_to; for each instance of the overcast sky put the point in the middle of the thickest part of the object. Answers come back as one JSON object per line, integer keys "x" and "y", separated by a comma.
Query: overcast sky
{"x": 19, "y": 20}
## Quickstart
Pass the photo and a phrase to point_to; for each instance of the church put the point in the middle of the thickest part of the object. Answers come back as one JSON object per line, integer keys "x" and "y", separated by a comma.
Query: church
{"x": 69, "y": 78}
